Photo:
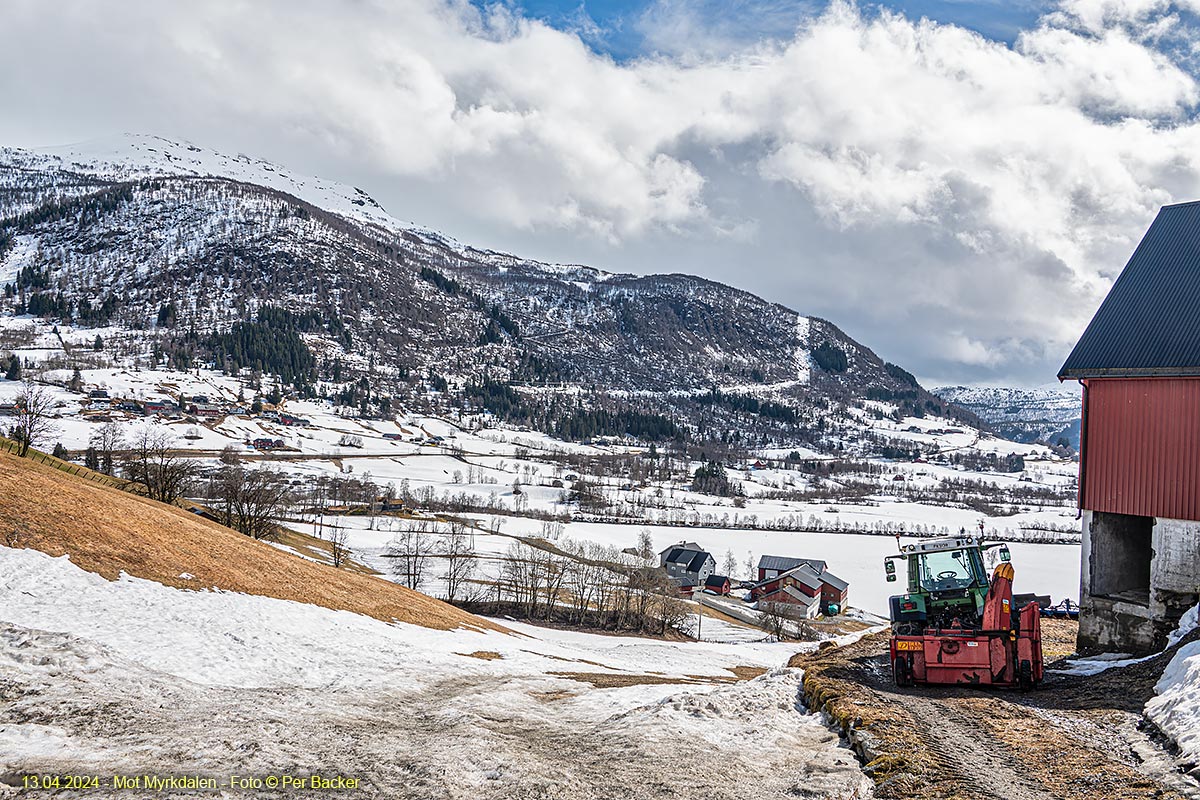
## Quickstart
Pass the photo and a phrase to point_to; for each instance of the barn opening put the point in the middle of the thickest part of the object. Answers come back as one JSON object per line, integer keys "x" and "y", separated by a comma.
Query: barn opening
{"x": 1121, "y": 556}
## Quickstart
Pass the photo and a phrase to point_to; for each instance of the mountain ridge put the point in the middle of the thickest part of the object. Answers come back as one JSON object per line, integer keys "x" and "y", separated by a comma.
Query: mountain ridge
{"x": 183, "y": 259}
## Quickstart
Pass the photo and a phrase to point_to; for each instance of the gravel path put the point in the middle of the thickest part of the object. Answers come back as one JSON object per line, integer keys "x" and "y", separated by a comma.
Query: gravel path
{"x": 1075, "y": 738}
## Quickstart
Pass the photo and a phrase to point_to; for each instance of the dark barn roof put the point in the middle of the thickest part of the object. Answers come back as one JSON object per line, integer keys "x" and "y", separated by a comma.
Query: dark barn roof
{"x": 1148, "y": 326}
{"x": 834, "y": 581}
{"x": 693, "y": 560}
{"x": 784, "y": 563}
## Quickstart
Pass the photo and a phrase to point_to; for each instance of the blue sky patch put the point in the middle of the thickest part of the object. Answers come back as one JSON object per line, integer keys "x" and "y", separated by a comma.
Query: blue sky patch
{"x": 626, "y": 29}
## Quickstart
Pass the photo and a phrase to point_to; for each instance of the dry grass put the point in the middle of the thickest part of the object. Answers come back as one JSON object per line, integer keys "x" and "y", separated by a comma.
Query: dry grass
{"x": 607, "y": 680}
{"x": 745, "y": 673}
{"x": 1058, "y": 638}
{"x": 903, "y": 760}
{"x": 108, "y": 531}
{"x": 482, "y": 655}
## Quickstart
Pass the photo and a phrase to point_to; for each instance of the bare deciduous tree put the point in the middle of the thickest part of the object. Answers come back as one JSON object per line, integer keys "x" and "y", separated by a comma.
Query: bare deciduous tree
{"x": 771, "y": 619}
{"x": 730, "y": 564}
{"x": 107, "y": 441}
{"x": 645, "y": 545}
{"x": 410, "y": 552}
{"x": 253, "y": 501}
{"x": 34, "y": 416}
{"x": 152, "y": 461}
{"x": 339, "y": 552}
{"x": 458, "y": 549}
{"x": 230, "y": 455}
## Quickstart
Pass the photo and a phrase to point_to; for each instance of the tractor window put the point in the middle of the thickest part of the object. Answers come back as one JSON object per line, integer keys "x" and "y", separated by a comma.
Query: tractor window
{"x": 949, "y": 569}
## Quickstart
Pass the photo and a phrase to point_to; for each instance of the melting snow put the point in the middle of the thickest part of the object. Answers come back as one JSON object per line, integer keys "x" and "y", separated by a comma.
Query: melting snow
{"x": 1176, "y": 709}
{"x": 212, "y": 681}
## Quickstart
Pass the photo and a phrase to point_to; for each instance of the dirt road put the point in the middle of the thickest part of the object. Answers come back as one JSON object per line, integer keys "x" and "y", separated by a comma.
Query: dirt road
{"x": 1076, "y": 738}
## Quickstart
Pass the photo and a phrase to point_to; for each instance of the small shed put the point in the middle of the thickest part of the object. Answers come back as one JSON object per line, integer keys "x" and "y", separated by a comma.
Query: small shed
{"x": 718, "y": 583}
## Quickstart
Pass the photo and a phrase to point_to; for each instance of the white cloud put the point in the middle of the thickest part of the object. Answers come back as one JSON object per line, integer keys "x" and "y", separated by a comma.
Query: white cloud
{"x": 1016, "y": 178}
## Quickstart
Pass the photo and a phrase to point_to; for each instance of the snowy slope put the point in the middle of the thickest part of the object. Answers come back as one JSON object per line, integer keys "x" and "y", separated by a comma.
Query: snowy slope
{"x": 133, "y": 156}
{"x": 1042, "y": 412}
{"x": 217, "y": 682}
{"x": 137, "y": 223}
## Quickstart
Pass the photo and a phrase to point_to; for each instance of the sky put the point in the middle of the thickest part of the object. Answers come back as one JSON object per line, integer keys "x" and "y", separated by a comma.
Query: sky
{"x": 954, "y": 183}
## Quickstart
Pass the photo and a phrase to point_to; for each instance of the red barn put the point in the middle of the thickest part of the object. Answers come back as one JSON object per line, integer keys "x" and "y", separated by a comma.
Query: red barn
{"x": 1139, "y": 463}
{"x": 802, "y": 578}
{"x": 834, "y": 591}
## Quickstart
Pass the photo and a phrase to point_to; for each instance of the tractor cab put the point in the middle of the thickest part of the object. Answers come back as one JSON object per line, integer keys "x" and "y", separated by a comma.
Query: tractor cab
{"x": 947, "y": 582}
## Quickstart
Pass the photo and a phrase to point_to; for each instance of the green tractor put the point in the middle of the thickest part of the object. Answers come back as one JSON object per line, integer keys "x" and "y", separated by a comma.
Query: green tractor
{"x": 954, "y": 625}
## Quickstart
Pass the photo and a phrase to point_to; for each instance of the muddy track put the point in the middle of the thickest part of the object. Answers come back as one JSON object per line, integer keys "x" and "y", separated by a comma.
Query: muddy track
{"x": 966, "y": 752}
{"x": 1076, "y": 738}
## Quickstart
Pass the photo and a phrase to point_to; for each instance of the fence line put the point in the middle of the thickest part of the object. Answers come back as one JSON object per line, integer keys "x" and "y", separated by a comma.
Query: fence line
{"x": 14, "y": 448}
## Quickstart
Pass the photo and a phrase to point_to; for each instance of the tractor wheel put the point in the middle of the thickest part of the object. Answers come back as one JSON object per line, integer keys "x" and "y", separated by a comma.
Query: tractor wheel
{"x": 900, "y": 672}
{"x": 1025, "y": 676}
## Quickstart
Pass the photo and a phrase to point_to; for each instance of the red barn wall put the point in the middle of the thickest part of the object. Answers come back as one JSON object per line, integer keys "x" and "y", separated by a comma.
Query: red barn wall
{"x": 1142, "y": 450}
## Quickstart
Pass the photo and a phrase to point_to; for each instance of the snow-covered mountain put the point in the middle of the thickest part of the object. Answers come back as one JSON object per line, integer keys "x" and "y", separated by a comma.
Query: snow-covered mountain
{"x": 185, "y": 248}
{"x": 1042, "y": 413}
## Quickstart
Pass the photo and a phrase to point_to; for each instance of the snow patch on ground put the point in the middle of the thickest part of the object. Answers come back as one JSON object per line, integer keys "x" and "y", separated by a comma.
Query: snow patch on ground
{"x": 214, "y": 681}
{"x": 1176, "y": 708}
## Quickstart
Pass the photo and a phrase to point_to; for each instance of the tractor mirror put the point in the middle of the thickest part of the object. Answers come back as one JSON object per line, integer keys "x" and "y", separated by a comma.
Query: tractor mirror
{"x": 891, "y": 577}
{"x": 889, "y": 567}
{"x": 1004, "y": 554}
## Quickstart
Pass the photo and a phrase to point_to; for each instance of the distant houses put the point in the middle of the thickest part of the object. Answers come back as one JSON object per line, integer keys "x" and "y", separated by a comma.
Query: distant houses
{"x": 687, "y": 564}
{"x": 801, "y": 588}
{"x": 160, "y": 408}
{"x": 100, "y": 404}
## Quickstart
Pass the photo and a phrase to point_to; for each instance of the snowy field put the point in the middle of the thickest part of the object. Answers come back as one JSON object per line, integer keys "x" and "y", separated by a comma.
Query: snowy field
{"x": 132, "y": 676}
{"x": 1040, "y": 568}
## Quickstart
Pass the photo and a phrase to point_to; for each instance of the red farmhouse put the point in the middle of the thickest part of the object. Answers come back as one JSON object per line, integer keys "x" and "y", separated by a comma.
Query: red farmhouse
{"x": 1139, "y": 463}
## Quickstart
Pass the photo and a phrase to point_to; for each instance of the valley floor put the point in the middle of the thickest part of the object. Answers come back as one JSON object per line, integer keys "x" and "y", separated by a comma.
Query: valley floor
{"x": 134, "y": 678}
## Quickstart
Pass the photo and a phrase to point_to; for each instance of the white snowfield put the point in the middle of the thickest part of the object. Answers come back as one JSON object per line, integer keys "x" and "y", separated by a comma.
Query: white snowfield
{"x": 1176, "y": 709}
{"x": 134, "y": 677}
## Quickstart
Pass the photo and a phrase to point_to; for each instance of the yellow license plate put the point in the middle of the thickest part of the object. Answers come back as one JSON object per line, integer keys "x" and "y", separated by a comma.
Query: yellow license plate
{"x": 905, "y": 645}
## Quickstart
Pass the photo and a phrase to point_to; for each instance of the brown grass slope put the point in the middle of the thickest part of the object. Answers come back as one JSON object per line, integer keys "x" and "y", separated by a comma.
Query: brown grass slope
{"x": 107, "y": 531}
